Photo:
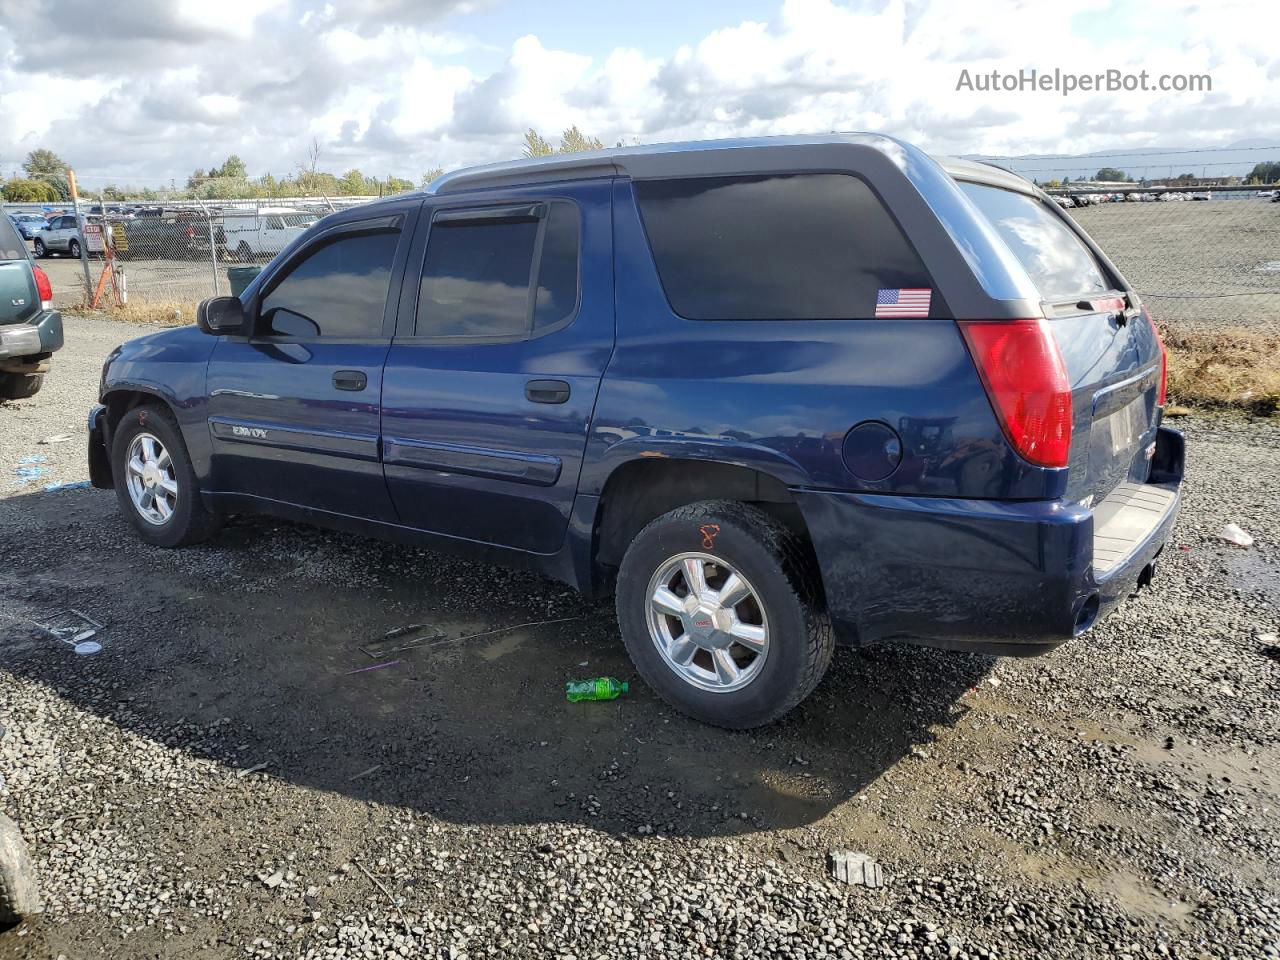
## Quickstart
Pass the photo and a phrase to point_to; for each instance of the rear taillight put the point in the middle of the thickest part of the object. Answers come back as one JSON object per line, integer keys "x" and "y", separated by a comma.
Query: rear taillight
{"x": 1164, "y": 364}
{"x": 1026, "y": 381}
{"x": 44, "y": 288}
{"x": 191, "y": 231}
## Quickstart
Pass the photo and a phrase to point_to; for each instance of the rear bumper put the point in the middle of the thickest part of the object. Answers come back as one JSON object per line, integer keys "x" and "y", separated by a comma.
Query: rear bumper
{"x": 1013, "y": 578}
{"x": 41, "y": 334}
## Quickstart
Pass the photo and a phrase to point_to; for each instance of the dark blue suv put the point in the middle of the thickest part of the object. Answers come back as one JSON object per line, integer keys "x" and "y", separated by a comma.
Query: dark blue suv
{"x": 774, "y": 393}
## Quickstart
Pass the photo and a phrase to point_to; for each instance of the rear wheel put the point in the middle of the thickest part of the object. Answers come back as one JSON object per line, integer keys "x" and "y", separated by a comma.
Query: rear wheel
{"x": 721, "y": 612}
{"x": 19, "y": 386}
{"x": 39, "y": 247}
{"x": 243, "y": 253}
{"x": 154, "y": 481}
{"x": 73, "y": 248}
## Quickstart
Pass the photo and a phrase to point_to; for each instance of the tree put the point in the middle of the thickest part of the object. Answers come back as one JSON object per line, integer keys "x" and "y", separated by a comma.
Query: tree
{"x": 574, "y": 140}
{"x": 535, "y": 145}
{"x": 1266, "y": 172}
{"x": 42, "y": 164}
{"x": 1111, "y": 174}
{"x": 196, "y": 180}
{"x": 26, "y": 190}
{"x": 433, "y": 174}
{"x": 353, "y": 184}
{"x": 232, "y": 167}
{"x": 1053, "y": 185}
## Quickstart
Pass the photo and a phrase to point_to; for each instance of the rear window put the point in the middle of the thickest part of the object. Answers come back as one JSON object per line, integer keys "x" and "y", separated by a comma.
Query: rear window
{"x": 1058, "y": 262}
{"x": 788, "y": 247}
{"x": 12, "y": 246}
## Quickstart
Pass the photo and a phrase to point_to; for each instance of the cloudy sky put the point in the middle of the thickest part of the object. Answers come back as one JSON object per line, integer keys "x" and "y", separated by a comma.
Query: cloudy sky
{"x": 142, "y": 91}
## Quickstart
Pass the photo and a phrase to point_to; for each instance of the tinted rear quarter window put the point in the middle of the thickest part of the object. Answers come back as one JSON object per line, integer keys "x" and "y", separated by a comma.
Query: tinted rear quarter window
{"x": 788, "y": 247}
{"x": 12, "y": 246}
{"x": 338, "y": 289}
{"x": 1059, "y": 263}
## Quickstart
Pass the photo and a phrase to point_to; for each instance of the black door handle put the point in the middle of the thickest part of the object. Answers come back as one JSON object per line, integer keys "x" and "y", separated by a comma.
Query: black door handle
{"x": 547, "y": 391}
{"x": 350, "y": 380}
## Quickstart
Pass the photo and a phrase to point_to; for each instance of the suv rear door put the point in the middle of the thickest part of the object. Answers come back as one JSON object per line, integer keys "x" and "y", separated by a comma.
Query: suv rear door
{"x": 506, "y": 325}
{"x": 1109, "y": 347}
{"x": 294, "y": 405}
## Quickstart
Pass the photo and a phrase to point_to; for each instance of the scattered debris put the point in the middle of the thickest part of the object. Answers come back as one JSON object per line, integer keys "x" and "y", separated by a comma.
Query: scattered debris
{"x": 1233, "y": 534}
{"x": 19, "y": 891}
{"x": 70, "y": 485}
{"x": 438, "y": 639}
{"x": 858, "y": 869}
{"x": 29, "y": 469}
{"x": 598, "y": 688}
{"x": 994, "y": 681}
{"x": 241, "y": 774}
{"x": 394, "y": 641}
{"x": 272, "y": 881}
{"x": 408, "y": 930}
{"x": 919, "y": 752}
{"x": 1272, "y": 652}
{"x": 59, "y": 438}
{"x": 376, "y": 666}
{"x": 74, "y": 629}
{"x": 364, "y": 773}
{"x": 1176, "y": 411}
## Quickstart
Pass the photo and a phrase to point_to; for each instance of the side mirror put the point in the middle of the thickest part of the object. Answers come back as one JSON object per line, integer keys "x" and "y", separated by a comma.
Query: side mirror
{"x": 220, "y": 315}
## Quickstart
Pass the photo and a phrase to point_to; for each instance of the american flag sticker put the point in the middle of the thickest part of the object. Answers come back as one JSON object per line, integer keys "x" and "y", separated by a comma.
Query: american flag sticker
{"x": 903, "y": 302}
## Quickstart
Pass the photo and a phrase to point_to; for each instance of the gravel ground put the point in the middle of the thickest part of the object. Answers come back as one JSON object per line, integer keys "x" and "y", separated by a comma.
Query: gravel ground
{"x": 218, "y": 783}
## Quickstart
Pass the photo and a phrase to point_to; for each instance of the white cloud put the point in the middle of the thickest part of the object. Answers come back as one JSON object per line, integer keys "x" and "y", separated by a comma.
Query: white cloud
{"x": 386, "y": 86}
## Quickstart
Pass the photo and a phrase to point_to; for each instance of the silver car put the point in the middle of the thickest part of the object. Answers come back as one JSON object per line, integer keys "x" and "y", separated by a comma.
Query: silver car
{"x": 62, "y": 235}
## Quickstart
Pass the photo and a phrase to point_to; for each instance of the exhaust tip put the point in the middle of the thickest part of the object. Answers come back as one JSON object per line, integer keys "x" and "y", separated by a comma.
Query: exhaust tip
{"x": 1087, "y": 614}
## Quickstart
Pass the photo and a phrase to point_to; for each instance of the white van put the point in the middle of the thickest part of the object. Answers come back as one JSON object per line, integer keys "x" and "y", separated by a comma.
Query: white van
{"x": 262, "y": 233}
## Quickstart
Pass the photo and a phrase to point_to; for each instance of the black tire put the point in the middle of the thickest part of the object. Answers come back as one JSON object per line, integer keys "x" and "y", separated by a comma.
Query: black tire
{"x": 19, "y": 386}
{"x": 73, "y": 248}
{"x": 779, "y": 566}
{"x": 19, "y": 892}
{"x": 243, "y": 253}
{"x": 189, "y": 521}
{"x": 40, "y": 250}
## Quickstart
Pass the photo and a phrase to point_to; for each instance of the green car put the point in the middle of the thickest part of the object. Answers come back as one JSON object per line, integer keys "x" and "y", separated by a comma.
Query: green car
{"x": 30, "y": 329}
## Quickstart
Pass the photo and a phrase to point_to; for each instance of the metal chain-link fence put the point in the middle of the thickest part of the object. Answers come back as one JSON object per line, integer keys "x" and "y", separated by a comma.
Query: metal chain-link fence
{"x": 161, "y": 256}
{"x": 1200, "y": 259}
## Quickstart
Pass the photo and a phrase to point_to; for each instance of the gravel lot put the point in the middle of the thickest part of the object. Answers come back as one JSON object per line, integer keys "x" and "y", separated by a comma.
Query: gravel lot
{"x": 1199, "y": 265}
{"x": 1118, "y": 798}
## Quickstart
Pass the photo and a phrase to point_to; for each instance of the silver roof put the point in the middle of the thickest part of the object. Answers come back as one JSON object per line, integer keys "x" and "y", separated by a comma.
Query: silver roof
{"x": 703, "y": 158}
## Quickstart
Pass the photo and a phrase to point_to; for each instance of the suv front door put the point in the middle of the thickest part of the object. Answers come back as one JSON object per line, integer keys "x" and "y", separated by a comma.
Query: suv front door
{"x": 294, "y": 405}
{"x": 505, "y": 328}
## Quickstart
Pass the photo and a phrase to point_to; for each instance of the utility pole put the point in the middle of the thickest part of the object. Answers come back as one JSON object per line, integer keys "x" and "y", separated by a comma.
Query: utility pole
{"x": 84, "y": 246}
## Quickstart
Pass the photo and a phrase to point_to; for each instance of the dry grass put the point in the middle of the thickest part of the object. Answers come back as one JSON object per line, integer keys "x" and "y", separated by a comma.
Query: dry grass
{"x": 1233, "y": 367}
{"x": 164, "y": 313}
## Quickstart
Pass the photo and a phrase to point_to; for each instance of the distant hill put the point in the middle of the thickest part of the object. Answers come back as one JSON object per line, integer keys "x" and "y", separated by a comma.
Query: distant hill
{"x": 1236, "y": 159}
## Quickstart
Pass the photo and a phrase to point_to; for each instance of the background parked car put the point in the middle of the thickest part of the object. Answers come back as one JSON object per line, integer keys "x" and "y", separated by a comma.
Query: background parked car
{"x": 165, "y": 238}
{"x": 27, "y": 224}
{"x": 30, "y": 328}
{"x": 62, "y": 235}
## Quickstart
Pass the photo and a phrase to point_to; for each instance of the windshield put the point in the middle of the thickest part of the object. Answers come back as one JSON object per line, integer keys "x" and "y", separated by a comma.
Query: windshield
{"x": 1058, "y": 262}
{"x": 299, "y": 219}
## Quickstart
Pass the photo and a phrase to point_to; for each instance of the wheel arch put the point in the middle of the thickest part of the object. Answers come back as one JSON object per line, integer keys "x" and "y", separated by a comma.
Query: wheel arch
{"x": 639, "y": 490}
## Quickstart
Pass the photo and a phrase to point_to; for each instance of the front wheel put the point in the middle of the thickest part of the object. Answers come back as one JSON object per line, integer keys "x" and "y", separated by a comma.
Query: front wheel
{"x": 155, "y": 484}
{"x": 40, "y": 250}
{"x": 73, "y": 248}
{"x": 720, "y": 608}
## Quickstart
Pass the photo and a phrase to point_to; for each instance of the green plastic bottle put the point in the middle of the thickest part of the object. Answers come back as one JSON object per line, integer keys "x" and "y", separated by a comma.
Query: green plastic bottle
{"x": 601, "y": 688}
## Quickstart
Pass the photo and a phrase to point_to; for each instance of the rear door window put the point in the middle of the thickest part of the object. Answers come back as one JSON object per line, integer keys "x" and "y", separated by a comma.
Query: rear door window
{"x": 500, "y": 278}
{"x": 1059, "y": 263}
{"x": 786, "y": 247}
